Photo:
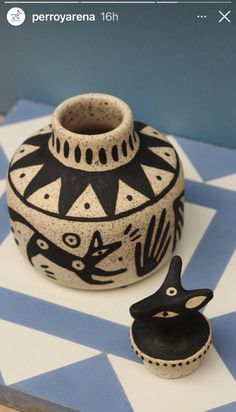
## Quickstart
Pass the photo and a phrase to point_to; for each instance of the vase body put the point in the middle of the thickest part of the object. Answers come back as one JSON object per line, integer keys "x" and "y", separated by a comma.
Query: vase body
{"x": 96, "y": 199}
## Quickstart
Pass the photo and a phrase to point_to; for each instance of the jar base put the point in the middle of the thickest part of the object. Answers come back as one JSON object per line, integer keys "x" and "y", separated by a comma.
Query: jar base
{"x": 172, "y": 369}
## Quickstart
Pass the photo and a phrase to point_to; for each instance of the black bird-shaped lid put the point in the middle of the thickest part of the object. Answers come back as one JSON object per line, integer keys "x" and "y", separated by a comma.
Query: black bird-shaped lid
{"x": 171, "y": 299}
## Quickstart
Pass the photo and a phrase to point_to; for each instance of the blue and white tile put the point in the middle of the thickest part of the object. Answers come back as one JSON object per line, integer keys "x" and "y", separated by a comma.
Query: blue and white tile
{"x": 197, "y": 392}
{"x": 73, "y": 327}
{"x": 11, "y": 136}
{"x": 225, "y": 182}
{"x": 229, "y": 407}
{"x": 26, "y": 352}
{"x": 224, "y": 295}
{"x": 190, "y": 171}
{"x": 210, "y": 161}
{"x": 88, "y": 386}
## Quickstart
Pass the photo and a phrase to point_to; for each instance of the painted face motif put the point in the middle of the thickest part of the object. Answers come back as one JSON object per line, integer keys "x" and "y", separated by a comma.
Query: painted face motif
{"x": 171, "y": 300}
{"x": 84, "y": 267}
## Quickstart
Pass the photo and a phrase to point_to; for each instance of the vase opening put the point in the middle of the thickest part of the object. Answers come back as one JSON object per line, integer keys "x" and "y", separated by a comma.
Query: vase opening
{"x": 92, "y": 115}
{"x": 93, "y": 132}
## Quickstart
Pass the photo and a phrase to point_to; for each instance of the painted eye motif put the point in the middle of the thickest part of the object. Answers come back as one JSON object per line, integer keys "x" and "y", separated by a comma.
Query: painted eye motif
{"x": 99, "y": 252}
{"x": 42, "y": 244}
{"x": 71, "y": 239}
{"x": 165, "y": 314}
{"x": 171, "y": 291}
{"x": 78, "y": 264}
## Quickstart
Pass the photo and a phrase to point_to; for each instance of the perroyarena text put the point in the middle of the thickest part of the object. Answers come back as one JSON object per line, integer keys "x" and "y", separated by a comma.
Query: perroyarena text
{"x": 62, "y": 18}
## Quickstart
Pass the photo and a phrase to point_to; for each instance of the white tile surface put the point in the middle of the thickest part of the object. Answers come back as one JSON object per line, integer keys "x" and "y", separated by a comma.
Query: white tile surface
{"x": 11, "y": 136}
{"x": 25, "y": 352}
{"x": 197, "y": 392}
{"x": 226, "y": 182}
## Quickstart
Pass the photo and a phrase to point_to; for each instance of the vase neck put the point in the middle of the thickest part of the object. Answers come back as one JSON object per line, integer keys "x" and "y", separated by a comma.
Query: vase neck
{"x": 93, "y": 132}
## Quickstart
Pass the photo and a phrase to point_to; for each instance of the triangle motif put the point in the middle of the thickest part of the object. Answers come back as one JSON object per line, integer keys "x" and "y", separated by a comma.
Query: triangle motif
{"x": 23, "y": 176}
{"x": 47, "y": 197}
{"x": 150, "y": 131}
{"x": 87, "y": 205}
{"x": 24, "y": 150}
{"x": 158, "y": 178}
{"x": 128, "y": 198}
{"x": 166, "y": 153}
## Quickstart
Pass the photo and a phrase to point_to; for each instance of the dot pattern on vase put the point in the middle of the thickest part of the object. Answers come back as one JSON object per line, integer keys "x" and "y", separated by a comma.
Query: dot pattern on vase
{"x": 114, "y": 153}
{"x": 131, "y": 143}
{"x": 124, "y": 149}
{"x": 89, "y": 156}
{"x": 169, "y": 363}
{"x": 58, "y": 145}
{"x": 66, "y": 149}
{"x": 77, "y": 154}
{"x": 100, "y": 156}
{"x": 107, "y": 199}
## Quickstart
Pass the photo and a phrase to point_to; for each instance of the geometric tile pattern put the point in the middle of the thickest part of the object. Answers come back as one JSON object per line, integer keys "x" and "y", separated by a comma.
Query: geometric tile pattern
{"x": 225, "y": 339}
{"x": 231, "y": 407}
{"x": 33, "y": 352}
{"x": 70, "y": 348}
{"x": 92, "y": 383}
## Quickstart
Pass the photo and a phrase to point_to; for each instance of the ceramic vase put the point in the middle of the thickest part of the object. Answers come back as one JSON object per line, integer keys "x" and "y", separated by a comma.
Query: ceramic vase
{"x": 95, "y": 199}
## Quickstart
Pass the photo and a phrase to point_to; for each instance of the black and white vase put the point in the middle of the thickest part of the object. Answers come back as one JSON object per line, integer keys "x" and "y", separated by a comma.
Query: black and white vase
{"x": 169, "y": 333}
{"x": 96, "y": 199}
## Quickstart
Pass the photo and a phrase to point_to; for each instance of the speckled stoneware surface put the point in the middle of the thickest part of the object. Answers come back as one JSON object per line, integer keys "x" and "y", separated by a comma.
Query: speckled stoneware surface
{"x": 96, "y": 199}
{"x": 169, "y": 334}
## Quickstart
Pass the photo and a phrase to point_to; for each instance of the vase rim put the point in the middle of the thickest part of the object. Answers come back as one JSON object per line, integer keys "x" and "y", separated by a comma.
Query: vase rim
{"x": 88, "y": 97}
{"x": 93, "y": 132}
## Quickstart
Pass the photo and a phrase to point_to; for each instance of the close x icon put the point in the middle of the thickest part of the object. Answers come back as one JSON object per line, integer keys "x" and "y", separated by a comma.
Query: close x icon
{"x": 224, "y": 16}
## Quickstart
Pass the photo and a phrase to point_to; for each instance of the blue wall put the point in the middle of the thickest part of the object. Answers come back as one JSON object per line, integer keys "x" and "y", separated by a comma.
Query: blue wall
{"x": 176, "y": 71}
